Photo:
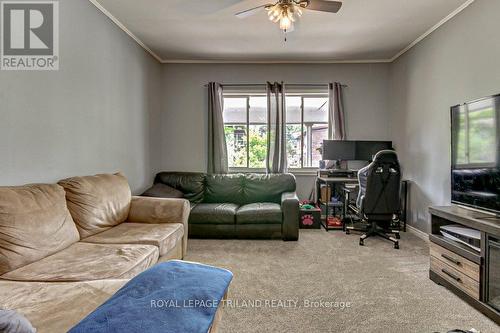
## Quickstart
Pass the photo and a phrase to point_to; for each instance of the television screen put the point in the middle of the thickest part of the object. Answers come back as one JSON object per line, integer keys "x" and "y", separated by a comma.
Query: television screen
{"x": 475, "y": 158}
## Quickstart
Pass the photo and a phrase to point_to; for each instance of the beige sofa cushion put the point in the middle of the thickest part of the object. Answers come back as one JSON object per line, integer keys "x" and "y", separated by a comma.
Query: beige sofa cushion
{"x": 98, "y": 202}
{"x": 163, "y": 236}
{"x": 54, "y": 307}
{"x": 34, "y": 223}
{"x": 86, "y": 261}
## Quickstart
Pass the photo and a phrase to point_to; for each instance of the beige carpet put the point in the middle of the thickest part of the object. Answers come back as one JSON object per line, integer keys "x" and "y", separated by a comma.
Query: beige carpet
{"x": 387, "y": 290}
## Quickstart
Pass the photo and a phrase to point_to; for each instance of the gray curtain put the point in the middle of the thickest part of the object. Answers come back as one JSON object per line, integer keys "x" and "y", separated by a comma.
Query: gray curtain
{"x": 276, "y": 127}
{"x": 217, "y": 149}
{"x": 336, "y": 115}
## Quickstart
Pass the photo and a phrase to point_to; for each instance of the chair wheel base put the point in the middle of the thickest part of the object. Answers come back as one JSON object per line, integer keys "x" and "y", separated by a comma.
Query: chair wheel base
{"x": 348, "y": 232}
{"x": 361, "y": 243}
{"x": 396, "y": 246}
{"x": 398, "y": 236}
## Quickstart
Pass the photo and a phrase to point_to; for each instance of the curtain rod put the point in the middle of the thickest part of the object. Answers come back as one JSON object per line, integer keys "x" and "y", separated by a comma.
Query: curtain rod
{"x": 286, "y": 84}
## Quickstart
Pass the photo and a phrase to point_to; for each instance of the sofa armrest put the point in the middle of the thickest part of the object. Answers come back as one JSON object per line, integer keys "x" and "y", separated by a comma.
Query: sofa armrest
{"x": 290, "y": 209}
{"x": 161, "y": 210}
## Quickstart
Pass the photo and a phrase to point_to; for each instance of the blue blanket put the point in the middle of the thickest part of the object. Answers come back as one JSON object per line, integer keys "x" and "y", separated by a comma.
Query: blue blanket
{"x": 171, "y": 297}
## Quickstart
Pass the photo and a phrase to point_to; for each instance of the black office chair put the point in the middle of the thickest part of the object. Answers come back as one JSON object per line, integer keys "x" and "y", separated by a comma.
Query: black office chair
{"x": 379, "y": 206}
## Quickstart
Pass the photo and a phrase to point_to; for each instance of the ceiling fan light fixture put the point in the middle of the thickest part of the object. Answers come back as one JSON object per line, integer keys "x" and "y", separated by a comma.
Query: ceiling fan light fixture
{"x": 273, "y": 10}
{"x": 285, "y": 13}
{"x": 285, "y": 23}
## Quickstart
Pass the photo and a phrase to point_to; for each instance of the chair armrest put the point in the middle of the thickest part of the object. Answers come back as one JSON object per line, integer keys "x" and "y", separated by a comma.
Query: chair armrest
{"x": 161, "y": 210}
{"x": 290, "y": 209}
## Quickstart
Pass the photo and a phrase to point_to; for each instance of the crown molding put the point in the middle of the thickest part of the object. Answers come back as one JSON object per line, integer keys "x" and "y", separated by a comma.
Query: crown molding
{"x": 124, "y": 28}
{"x": 195, "y": 61}
{"x": 432, "y": 29}
{"x": 202, "y": 61}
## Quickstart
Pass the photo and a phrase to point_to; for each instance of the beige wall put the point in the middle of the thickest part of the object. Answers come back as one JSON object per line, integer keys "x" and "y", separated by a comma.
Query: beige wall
{"x": 98, "y": 113}
{"x": 184, "y": 117}
{"x": 455, "y": 64}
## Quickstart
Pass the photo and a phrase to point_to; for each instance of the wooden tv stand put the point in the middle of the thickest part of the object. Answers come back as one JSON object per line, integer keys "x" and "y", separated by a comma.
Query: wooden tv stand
{"x": 456, "y": 266}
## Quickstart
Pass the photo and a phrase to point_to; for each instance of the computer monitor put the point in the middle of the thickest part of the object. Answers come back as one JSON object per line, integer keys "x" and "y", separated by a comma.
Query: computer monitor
{"x": 365, "y": 150}
{"x": 339, "y": 150}
{"x": 353, "y": 150}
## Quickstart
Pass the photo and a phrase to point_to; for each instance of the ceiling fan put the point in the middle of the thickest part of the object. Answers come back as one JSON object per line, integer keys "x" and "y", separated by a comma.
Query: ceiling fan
{"x": 286, "y": 11}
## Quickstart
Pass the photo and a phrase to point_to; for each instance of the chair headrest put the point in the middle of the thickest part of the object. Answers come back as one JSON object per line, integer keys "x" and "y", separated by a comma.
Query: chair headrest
{"x": 386, "y": 156}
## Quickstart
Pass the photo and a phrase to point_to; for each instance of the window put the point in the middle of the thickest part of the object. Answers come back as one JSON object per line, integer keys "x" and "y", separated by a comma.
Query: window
{"x": 307, "y": 127}
{"x": 245, "y": 127}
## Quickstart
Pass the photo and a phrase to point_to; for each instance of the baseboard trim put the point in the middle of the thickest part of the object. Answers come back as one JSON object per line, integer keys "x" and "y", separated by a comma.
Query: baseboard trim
{"x": 419, "y": 233}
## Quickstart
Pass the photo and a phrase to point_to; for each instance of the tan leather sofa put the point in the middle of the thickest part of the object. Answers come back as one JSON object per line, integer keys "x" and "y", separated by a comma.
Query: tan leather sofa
{"x": 65, "y": 248}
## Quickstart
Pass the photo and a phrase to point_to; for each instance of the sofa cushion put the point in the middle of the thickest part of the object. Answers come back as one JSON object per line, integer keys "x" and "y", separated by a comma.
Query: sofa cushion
{"x": 34, "y": 223}
{"x": 192, "y": 184}
{"x": 249, "y": 188}
{"x": 213, "y": 213}
{"x": 86, "y": 261}
{"x": 267, "y": 187}
{"x": 225, "y": 188}
{"x": 98, "y": 202}
{"x": 164, "y": 236}
{"x": 239, "y": 189}
{"x": 56, "y": 306}
{"x": 163, "y": 191}
{"x": 259, "y": 213}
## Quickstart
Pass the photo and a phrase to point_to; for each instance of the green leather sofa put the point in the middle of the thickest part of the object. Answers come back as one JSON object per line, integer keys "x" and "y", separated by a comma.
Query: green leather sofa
{"x": 238, "y": 205}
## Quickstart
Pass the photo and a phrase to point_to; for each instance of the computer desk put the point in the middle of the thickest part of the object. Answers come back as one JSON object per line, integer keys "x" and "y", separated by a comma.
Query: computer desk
{"x": 332, "y": 183}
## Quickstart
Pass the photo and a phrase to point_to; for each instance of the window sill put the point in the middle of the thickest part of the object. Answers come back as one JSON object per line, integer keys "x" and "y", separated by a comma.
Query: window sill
{"x": 304, "y": 171}
{"x": 297, "y": 172}
{"x": 246, "y": 170}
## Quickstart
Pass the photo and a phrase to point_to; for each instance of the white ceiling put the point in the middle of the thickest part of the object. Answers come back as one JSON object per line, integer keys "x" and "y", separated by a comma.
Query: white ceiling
{"x": 207, "y": 30}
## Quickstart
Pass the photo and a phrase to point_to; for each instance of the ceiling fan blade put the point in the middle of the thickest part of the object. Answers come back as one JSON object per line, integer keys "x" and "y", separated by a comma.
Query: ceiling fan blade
{"x": 249, "y": 12}
{"x": 324, "y": 6}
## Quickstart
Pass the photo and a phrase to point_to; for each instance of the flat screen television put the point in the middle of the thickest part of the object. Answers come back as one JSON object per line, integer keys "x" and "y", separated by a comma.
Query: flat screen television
{"x": 475, "y": 157}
